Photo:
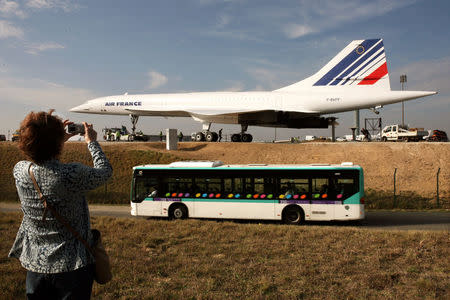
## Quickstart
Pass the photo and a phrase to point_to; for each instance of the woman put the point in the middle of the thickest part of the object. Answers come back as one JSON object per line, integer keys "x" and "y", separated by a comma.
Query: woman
{"x": 58, "y": 265}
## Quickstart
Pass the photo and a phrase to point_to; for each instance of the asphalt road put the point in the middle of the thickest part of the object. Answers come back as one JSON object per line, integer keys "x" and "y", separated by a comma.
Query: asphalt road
{"x": 384, "y": 220}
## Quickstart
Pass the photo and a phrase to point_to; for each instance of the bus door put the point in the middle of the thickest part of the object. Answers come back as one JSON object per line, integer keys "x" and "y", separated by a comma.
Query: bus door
{"x": 322, "y": 198}
{"x": 147, "y": 193}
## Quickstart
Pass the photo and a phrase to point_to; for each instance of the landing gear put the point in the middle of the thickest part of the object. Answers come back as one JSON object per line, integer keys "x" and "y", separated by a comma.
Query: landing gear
{"x": 205, "y": 134}
{"x": 236, "y": 138}
{"x": 211, "y": 136}
{"x": 199, "y": 137}
{"x": 208, "y": 136}
{"x": 247, "y": 138}
{"x": 242, "y": 137}
{"x": 134, "y": 120}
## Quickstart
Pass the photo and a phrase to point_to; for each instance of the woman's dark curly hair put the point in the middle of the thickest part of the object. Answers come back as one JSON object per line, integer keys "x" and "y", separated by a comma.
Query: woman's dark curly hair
{"x": 41, "y": 136}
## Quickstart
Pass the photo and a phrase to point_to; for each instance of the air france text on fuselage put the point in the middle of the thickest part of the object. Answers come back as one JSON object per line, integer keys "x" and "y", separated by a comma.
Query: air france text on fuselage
{"x": 124, "y": 103}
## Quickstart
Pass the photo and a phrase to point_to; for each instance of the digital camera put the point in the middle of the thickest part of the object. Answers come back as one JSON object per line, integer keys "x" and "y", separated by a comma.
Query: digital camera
{"x": 75, "y": 128}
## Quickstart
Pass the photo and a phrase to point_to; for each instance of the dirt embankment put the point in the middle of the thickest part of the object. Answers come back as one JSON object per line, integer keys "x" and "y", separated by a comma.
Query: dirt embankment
{"x": 417, "y": 163}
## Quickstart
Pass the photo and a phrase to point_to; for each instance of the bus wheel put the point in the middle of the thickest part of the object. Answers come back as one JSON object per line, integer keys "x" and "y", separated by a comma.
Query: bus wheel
{"x": 292, "y": 215}
{"x": 178, "y": 212}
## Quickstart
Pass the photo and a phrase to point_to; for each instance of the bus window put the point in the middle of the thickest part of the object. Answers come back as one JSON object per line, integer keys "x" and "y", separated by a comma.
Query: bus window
{"x": 258, "y": 186}
{"x": 208, "y": 185}
{"x": 178, "y": 186}
{"x": 269, "y": 186}
{"x": 145, "y": 187}
{"x": 320, "y": 188}
{"x": 232, "y": 186}
{"x": 248, "y": 185}
{"x": 238, "y": 185}
{"x": 228, "y": 186}
{"x": 346, "y": 187}
{"x": 293, "y": 186}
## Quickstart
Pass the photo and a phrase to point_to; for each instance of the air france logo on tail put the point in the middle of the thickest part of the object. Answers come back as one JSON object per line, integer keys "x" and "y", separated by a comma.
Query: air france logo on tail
{"x": 365, "y": 64}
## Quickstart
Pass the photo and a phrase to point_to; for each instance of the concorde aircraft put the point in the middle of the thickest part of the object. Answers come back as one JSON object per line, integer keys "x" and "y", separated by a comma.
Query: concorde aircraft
{"x": 356, "y": 78}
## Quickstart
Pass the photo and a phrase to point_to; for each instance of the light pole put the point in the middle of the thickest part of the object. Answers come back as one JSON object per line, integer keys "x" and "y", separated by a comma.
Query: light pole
{"x": 403, "y": 80}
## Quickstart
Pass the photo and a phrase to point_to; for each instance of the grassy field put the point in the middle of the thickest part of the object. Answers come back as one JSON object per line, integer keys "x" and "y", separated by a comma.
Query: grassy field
{"x": 197, "y": 259}
{"x": 117, "y": 190}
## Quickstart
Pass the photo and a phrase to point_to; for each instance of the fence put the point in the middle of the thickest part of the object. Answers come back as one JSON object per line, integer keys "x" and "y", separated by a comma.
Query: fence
{"x": 407, "y": 199}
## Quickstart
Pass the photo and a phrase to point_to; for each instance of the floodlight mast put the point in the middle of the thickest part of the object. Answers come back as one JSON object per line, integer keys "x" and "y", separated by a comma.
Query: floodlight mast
{"x": 403, "y": 81}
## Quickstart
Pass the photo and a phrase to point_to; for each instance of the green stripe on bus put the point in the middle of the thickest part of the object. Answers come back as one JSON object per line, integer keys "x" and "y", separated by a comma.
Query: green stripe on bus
{"x": 352, "y": 199}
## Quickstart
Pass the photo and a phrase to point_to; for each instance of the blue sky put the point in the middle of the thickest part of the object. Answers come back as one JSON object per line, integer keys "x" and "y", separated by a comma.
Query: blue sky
{"x": 58, "y": 53}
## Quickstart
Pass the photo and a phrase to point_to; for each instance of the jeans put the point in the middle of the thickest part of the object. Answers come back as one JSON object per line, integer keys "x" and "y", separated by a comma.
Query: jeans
{"x": 68, "y": 285}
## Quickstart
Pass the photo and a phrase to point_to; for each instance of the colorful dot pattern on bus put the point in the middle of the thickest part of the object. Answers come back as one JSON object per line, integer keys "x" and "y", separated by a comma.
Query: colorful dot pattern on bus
{"x": 250, "y": 196}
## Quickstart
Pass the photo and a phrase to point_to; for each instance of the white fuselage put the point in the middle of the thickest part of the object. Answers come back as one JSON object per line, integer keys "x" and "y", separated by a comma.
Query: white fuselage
{"x": 224, "y": 107}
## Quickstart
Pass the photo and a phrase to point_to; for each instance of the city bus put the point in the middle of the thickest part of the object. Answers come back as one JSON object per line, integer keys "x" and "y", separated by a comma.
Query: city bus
{"x": 210, "y": 189}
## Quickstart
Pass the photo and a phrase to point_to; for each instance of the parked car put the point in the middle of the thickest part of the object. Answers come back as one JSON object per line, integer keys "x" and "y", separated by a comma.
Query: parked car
{"x": 2, "y": 138}
{"x": 15, "y": 136}
{"x": 438, "y": 136}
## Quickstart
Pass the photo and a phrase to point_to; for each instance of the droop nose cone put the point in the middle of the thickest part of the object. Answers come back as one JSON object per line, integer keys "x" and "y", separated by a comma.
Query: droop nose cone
{"x": 80, "y": 108}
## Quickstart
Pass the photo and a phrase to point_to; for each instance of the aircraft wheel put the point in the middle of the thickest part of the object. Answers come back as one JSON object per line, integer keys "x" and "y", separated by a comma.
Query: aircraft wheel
{"x": 199, "y": 137}
{"x": 209, "y": 136}
{"x": 247, "y": 138}
{"x": 236, "y": 138}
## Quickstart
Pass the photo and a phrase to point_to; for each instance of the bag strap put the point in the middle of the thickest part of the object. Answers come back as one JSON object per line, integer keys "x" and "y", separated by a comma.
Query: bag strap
{"x": 57, "y": 216}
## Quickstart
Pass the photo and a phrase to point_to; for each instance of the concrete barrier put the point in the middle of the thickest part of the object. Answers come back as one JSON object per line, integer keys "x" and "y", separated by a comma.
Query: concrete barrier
{"x": 171, "y": 139}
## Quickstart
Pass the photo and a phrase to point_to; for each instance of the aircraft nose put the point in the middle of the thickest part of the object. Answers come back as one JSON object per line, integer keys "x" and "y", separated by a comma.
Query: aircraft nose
{"x": 81, "y": 108}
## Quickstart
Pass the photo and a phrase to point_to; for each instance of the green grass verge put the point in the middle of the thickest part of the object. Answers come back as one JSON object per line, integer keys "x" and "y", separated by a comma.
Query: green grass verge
{"x": 198, "y": 259}
{"x": 404, "y": 200}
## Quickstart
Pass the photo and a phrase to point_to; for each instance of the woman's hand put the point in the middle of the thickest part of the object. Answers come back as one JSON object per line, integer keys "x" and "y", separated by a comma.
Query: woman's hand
{"x": 90, "y": 135}
{"x": 67, "y": 135}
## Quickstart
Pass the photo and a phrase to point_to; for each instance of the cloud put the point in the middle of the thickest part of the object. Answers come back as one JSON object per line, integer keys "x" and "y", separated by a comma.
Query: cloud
{"x": 263, "y": 75}
{"x": 273, "y": 78}
{"x": 156, "y": 80}
{"x": 37, "y": 48}
{"x": 64, "y": 5}
{"x": 430, "y": 75}
{"x": 235, "y": 86}
{"x": 11, "y": 8}
{"x": 3, "y": 67}
{"x": 294, "y": 31}
{"x": 318, "y": 16}
{"x": 216, "y": 2}
{"x": 7, "y": 30}
{"x": 41, "y": 93}
{"x": 223, "y": 20}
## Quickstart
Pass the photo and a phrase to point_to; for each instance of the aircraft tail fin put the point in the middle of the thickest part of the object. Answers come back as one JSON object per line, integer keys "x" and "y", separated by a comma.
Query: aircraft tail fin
{"x": 361, "y": 63}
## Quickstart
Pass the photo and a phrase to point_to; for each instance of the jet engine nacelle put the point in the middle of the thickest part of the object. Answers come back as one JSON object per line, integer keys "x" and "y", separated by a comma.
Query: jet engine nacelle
{"x": 283, "y": 119}
{"x": 309, "y": 122}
